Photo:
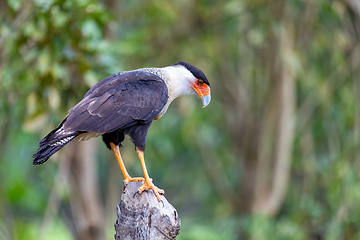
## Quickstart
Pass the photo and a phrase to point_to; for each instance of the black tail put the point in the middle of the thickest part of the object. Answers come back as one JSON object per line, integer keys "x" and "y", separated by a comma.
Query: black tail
{"x": 52, "y": 143}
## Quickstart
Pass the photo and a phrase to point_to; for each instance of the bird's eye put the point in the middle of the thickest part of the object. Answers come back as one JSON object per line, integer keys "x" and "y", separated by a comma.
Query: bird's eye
{"x": 200, "y": 81}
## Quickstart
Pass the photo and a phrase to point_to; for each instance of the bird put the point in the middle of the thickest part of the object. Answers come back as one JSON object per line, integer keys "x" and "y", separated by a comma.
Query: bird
{"x": 126, "y": 104}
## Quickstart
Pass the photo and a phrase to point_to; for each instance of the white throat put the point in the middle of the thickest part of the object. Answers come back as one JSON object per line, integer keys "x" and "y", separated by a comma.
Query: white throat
{"x": 178, "y": 80}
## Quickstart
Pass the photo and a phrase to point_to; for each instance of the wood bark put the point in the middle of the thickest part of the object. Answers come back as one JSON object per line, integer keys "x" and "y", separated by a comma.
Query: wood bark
{"x": 142, "y": 216}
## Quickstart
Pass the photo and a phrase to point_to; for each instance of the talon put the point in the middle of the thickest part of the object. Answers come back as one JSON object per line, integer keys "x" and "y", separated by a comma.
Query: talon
{"x": 149, "y": 185}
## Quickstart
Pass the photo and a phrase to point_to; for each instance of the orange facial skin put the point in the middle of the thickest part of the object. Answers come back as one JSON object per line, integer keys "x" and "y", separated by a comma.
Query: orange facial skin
{"x": 201, "y": 88}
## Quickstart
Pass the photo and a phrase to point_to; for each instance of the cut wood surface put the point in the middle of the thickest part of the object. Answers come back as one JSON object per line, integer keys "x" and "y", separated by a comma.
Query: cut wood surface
{"x": 142, "y": 216}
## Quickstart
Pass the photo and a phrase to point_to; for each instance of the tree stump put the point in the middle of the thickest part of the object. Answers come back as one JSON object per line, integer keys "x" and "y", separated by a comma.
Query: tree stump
{"x": 142, "y": 216}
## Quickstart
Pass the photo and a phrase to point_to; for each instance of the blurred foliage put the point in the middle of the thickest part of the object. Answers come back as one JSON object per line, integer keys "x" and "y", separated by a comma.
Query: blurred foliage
{"x": 51, "y": 52}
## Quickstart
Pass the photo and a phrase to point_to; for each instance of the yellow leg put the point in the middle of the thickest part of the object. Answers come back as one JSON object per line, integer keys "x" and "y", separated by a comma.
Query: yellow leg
{"x": 148, "y": 181}
{"x": 125, "y": 174}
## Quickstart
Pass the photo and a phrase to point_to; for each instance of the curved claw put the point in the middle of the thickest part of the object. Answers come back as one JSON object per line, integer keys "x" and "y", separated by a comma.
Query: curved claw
{"x": 149, "y": 185}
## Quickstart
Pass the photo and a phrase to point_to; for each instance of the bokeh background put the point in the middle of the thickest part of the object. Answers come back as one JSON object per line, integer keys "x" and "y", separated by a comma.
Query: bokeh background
{"x": 274, "y": 156}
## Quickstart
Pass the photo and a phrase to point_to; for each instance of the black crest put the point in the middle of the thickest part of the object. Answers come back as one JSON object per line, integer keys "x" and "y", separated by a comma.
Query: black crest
{"x": 194, "y": 70}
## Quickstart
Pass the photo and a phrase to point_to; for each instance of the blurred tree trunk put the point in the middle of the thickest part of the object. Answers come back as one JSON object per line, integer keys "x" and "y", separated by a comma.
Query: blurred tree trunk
{"x": 86, "y": 210}
{"x": 276, "y": 134}
{"x": 354, "y": 5}
{"x": 266, "y": 132}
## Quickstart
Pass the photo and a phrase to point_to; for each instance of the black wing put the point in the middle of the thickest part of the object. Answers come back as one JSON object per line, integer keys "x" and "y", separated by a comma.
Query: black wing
{"x": 119, "y": 101}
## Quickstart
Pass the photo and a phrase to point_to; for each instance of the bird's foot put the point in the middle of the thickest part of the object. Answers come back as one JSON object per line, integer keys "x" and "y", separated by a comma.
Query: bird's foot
{"x": 131, "y": 179}
{"x": 149, "y": 185}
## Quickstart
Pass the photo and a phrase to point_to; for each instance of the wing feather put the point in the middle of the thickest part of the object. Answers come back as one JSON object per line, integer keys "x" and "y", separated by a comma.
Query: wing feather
{"x": 119, "y": 102}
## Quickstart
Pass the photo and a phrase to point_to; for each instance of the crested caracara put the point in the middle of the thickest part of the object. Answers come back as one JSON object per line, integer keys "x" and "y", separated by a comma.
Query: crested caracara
{"x": 122, "y": 104}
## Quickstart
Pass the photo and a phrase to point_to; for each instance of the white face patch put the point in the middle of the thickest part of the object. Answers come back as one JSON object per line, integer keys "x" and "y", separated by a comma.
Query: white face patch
{"x": 178, "y": 80}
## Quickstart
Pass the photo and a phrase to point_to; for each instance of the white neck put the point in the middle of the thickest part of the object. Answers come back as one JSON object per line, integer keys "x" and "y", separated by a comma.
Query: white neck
{"x": 178, "y": 80}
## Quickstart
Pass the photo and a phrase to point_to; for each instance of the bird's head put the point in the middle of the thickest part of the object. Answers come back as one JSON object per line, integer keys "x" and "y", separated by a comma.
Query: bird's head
{"x": 196, "y": 81}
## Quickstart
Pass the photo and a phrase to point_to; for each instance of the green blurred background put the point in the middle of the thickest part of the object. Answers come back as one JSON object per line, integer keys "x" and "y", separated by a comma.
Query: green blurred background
{"x": 274, "y": 156}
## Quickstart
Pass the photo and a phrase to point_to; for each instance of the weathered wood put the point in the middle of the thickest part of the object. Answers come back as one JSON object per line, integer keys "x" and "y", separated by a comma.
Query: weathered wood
{"x": 142, "y": 216}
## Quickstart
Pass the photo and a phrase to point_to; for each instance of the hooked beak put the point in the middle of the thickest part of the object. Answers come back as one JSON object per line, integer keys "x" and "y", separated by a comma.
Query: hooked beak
{"x": 203, "y": 91}
{"x": 206, "y": 100}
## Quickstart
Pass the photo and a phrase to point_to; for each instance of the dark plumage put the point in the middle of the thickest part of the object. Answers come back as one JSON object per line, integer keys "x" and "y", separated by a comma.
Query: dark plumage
{"x": 112, "y": 107}
{"x": 122, "y": 104}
